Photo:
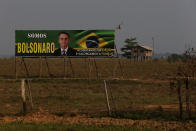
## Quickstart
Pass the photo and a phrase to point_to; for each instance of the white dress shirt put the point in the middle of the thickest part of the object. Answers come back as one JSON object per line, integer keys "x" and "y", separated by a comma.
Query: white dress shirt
{"x": 64, "y": 50}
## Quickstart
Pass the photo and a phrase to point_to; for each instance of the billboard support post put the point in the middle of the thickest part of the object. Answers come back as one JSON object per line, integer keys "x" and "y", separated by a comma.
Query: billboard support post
{"x": 47, "y": 65}
{"x": 86, "y": 65}
{"x": 89, "y": 69}
{"x": 64, "y": 73}
{"x": 122, "y": 73}
{"x": 71, "y": 67}
{"x": 27, "y": 82}
{"x": 114, "y": 70}
{"x": 25, "y": 66}
{"x": 15, "y": 67}
{"x": 40, "y": 66}
{"x": 92, "y": 62}
{"x": 96, "y": 69}
{"x": 118, "y": 64}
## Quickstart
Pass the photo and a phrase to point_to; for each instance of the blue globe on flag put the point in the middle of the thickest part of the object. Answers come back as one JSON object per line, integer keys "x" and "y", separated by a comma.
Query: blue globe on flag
{"x": 92, "y": 42}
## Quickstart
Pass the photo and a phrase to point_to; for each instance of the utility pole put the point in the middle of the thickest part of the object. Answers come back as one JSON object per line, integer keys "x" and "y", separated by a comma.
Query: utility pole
{"x": 153, "y": 46}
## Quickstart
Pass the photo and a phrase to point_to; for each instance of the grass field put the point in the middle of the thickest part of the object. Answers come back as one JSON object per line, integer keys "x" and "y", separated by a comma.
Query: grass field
{"x": 106, "y": 68}
{"x": 60, "y": 127}
{"x": 141, "y": 91}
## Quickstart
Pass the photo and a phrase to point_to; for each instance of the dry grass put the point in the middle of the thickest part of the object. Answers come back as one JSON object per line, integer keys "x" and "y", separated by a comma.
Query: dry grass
{"x": 122, "y": 124}
{"x": 107, "y": 68}
{"x": 145, "y": 94}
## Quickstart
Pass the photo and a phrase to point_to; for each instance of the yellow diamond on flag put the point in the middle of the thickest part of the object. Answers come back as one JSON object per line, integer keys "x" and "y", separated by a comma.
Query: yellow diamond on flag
{"x": 82, "y": 42}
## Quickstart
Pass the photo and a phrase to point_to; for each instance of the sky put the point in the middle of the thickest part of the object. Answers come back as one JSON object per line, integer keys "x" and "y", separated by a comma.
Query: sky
{"x": 172, "y": 23}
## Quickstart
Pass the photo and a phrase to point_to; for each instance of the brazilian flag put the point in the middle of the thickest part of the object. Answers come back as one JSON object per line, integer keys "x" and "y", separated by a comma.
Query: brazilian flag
{"x": 104, "y": 38}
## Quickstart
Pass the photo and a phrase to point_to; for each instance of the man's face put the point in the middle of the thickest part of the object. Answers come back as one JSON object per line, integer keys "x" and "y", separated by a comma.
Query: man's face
{"x": 63, "y": 41}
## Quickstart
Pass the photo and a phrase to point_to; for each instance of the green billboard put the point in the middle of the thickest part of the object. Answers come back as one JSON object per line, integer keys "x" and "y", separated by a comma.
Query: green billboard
{"x": 74, "y": 43}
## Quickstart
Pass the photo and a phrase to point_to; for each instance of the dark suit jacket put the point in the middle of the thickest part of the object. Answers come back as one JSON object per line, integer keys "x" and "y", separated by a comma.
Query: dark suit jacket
{"x": 70, "y": 52}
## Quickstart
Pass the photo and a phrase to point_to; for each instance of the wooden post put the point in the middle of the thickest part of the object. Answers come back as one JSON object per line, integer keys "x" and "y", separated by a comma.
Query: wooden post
{"x": 64, "y": 66}
{"x": 112, "y": 98}
{"x": 71, "y": 67}
{"x": 180, "y": 99}
{"x": 107, "y": 100}
{"x": 47, "y": 65}
{"x": 29, "y": 92}
{"x": 188, "y": 108}
{"x": 86, "y": 67}
{"x": 15, "y": 67}
{"x": 114, "y": 69}
{"x": 97, "y": 73}
{"x": 40, "y": 68}
{"x": 122, "y": 73}
{"x": 23, "y": 96}
{"x": 27, "y": 72}
{"x": 89, "y": 69}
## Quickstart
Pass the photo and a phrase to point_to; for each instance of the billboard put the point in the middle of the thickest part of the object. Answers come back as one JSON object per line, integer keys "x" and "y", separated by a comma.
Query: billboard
{"x": 73, "y": 43}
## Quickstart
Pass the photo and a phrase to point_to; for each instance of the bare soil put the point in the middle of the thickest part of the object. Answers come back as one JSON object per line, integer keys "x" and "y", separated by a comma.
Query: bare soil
{"x": 45, "y": 117}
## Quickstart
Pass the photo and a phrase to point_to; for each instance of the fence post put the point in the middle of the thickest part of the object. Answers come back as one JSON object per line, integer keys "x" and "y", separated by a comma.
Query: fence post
{"x": 180, "y": 99}
{"x": 188, "y": 107}
{"x": 107, "y": 100}
{"x": 23, "y": 96}
{"x": 29, "y": 92}
{"x": 112, "y": 99}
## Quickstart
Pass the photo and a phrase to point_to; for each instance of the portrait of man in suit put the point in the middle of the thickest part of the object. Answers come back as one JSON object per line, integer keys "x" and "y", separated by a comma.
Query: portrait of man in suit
{"x": 64, "y": 50}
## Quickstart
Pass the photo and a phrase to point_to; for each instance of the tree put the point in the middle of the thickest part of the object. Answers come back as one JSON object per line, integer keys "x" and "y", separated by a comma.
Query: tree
{"x": 130, "y": 42}
{"x": 174, "y": 58}
{"x": 188, "y": 66}
{"x": 187, "y": 71}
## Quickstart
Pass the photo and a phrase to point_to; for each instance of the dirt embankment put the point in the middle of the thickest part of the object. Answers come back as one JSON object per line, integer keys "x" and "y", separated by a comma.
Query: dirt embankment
{"x": 45, "y": 117}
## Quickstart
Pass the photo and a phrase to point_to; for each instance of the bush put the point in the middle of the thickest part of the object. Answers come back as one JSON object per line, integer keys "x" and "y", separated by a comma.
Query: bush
{"x": 174, "y": 58}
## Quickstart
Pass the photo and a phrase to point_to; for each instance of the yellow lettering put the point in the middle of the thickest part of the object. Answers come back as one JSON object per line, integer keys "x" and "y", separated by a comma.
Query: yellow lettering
{"x": 23, "y": 47}
{"x": 19, "y": 47}
{"x": 31, "y": 47}
{"x": 44, "y": 48}
{"x": 39, "y": 47}
{"x": 52, "y": 45}
{"x": 48, "y": 47}
{"x": 35, "y": 48}
{"x": 27, "y": 48}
